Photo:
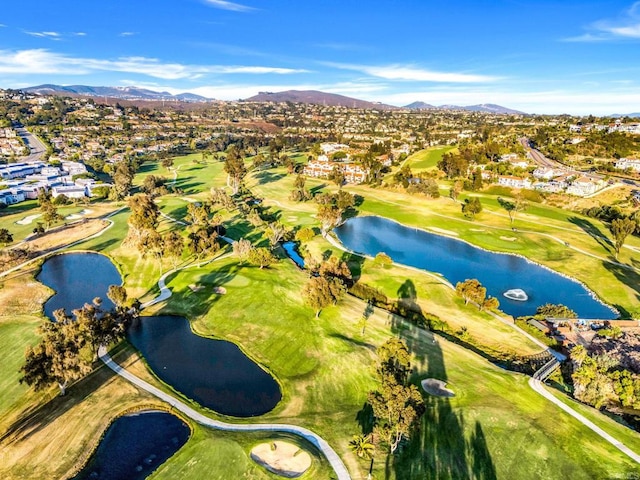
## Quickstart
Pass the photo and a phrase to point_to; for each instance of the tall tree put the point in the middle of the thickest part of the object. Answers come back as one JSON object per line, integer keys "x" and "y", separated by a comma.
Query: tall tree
{"x": 262, "y": 257}
{"x": 397, "y": 407}
{"x": 471, "y": 207}
{"x": 235, "y": 168}
{"x": 471, "y": 290}
{"x": 5, "y": 237}
{"x": 320, "y": 292}
{"x": 56, "y": 359}
{"x": 621, "y": 228}
{"x": 143, "y": 219}
{"x": 173, "y": 245}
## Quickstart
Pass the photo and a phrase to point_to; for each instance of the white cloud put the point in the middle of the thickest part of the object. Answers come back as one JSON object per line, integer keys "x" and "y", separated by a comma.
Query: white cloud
{"x": 411, "y": 73}
{"x": 626, "y": 26}
{"x": 234, "y": 7}
{"x": 49, "y": 35}
{"x": 44, "y": 61}
{"x": 80, "y": 34}
{"x": 127, "y": 34}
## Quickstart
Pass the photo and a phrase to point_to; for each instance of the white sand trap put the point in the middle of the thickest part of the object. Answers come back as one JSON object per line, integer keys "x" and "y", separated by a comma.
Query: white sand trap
{"x": 28, "y": 220}
{"x": 190, "y": 200}
{"x": 443, "y": 231}
{"x": 219, "y": 290}
{"x": 477, "y": 230}
{"x": 86, "y": 211}
{"x": 282, "y": 458}
{"x": 509, "y": 239}
{"x": 73, "y": 216}
{"x": 437, "y": 388}
{"x": 195, "y": 288}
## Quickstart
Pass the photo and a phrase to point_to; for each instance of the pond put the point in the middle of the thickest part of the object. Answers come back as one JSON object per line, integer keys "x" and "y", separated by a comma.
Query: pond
{"x": 78, "y": 278}
{"x": 135, "y": 445}
{"x": 214, "y": 373}
{"x": 292, "y": 253}
{"x": 457, "y": 261}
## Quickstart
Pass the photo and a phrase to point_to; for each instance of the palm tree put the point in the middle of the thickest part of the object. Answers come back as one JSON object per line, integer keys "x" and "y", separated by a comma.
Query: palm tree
{"x": 363, "y": 447}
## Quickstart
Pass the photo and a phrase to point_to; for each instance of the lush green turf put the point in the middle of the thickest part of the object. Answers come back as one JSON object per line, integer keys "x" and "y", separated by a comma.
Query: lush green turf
{"x": 495, "y": 427}
{"x": 427, "y": 159}
{"x": 223, "y": 455}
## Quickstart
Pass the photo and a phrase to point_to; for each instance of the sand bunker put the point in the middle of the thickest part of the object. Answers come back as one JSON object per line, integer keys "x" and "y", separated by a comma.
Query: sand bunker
{"x": 195, "y": 288}
{"x": 76, "y": 216}
{"x": 282, "y": 458}
{"x": 509, "y": 239}
{"x": 28, "y": 220}
{"x": 436, "y": 388}
{"x": 219, "y": 290}
{"x": 443, "y": 231}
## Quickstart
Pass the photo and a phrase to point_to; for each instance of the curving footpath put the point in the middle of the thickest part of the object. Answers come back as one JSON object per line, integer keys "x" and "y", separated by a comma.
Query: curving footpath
{"x": 322, "y": 445}
{"x": 165, "y": 292}
{"x": 538, "y": 386}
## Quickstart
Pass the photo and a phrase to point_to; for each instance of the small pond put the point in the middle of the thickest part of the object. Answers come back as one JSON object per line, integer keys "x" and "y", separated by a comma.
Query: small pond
{"x": 292, "y": 253}
{"x": 457, "y": 261}
{"x": 135, "y": 445}
{"x": 214, "y": 373}
{"x": 78, "y": 278}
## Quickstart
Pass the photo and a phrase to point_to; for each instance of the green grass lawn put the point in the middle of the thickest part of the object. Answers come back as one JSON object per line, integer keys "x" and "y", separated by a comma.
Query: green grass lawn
{"x": 495, "y": 426}
{"x": 427, "y": 159}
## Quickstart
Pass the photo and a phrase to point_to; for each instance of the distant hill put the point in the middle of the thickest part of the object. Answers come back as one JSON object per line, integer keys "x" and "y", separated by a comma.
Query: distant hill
{"x": 630, "y": 115}
{"x": 420, "y": 106}
{"x": 317, "y": 98}
{"x": 124, "y": 93}
{"x": 484, "y": 107}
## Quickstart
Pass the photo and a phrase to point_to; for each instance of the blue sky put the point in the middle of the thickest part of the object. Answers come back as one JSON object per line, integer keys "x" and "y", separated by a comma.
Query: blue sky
{"x": 541, "y": 57}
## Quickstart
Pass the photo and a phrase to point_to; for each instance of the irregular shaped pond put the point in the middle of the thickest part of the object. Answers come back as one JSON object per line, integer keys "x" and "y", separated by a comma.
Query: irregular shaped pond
{"x": 215, "y": 373}
{"x": 135, "y": 445}
{"x": 77, "y": 278}
{"x": 457, "y": 261}
{"x": 292, "y": 253}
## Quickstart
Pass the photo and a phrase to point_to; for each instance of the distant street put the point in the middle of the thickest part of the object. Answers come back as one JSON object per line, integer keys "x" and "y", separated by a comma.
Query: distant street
{"x": 36, "y": 148}
{"x": 539, "y": 158}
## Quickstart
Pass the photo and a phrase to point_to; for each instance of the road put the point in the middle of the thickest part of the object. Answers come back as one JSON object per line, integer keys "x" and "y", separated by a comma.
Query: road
{"x": 36, "y": 147}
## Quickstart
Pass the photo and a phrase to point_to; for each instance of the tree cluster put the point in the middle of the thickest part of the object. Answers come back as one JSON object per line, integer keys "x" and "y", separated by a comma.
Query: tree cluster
{"x": 69, "y": 343}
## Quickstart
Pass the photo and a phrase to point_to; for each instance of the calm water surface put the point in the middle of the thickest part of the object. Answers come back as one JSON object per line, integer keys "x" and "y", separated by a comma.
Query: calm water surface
{"x": 457, "y": 261}
{"x": 215, "y": 373}
{"x": 78, "y": 278}
{"x": 135, "y": 445}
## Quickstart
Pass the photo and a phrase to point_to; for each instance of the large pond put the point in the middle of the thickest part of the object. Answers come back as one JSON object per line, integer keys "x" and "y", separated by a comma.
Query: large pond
{"x": 457, "y": 261}
{"x": 78, "y": 278}
{"x": 135, "y": 445}
{"x": 215, "y": 373}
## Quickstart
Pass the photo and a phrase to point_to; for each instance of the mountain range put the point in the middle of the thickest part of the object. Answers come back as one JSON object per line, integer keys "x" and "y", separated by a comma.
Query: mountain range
{"x": 318, "y": 98}
{"x": 124, "y": 93}
{"x": 295, "y": 96}
{"x": 483, "y": 107}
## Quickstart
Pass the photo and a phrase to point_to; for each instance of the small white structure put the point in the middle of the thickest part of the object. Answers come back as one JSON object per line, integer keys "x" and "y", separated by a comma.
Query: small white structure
{"x": 632, "y": 163}
{"x": 514, "y": 182}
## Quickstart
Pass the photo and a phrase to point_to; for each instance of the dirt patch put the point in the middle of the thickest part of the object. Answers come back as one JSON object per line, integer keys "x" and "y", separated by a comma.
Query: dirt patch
{"x": 437, "y": 388}
{"x": 282, "y": 458}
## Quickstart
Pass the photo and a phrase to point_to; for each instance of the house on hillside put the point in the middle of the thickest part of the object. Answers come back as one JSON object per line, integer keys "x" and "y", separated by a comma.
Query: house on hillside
{"x": 631, "y": 163}
{"x": 583, "y": 186}
{"x": 514, "y": 182}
